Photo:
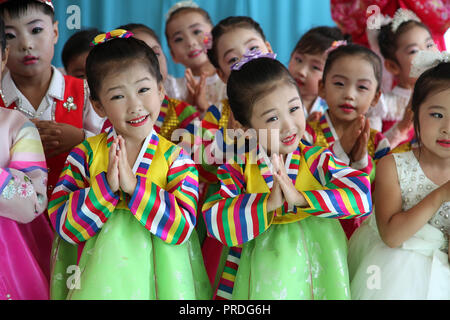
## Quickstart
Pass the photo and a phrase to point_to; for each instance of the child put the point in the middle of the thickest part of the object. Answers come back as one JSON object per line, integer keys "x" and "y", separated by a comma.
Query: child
{"x": 408, "y": 241}
{"x": 350, "y": 86}
{"x": 174, "y": 113}
{"x": 130, "y": 195}
{"x": 187, "y": 29}
{"x": 306, "y": 66}
{"x": 399, "y": 41}
{"x": 23, "y": 184}
{"x": 293, "y": 246}
{"x": 76, "y": 50}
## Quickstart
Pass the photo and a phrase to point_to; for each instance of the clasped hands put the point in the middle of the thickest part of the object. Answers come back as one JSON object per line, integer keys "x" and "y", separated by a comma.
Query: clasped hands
{"x": 120, "y": 174}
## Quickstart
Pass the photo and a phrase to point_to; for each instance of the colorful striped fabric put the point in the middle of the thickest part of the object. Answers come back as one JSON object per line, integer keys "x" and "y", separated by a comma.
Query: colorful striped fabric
{"x": 83, "y": 200}
{"x": 226, "y": 283}
{"x": 320, "y": 134}
{"x": 234, "y": 216}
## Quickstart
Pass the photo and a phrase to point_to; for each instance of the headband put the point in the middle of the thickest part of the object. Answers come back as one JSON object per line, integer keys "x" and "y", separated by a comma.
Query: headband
{"x": 251, "y": 55}
{"x": 114, "y": 34}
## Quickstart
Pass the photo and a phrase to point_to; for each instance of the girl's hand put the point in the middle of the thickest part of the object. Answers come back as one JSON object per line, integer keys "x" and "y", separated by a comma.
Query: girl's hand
{"x": 58, "y": 138}
{"x": 196, "y": 91}
{"x": 352, "y": 133}
{"x": 314, "y": 116}
{"x": 406, "y": 123}
{"x": 290, "y": 193}
{"x": 359, "y": 150}
{"x": 127, "y": 178}
{"x": 112, "y": 175}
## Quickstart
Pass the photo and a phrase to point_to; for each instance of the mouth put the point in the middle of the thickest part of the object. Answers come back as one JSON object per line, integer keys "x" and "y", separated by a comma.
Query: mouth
{"x": 444, "y": 143}
{"x": 288, "y": 141}
{"x": 300, "y": 83}
{"x": 347, "y": 108}
{"x": 28, "y": 60}
{"x": 195, "y": 53}
{"x": 140, "y": 121}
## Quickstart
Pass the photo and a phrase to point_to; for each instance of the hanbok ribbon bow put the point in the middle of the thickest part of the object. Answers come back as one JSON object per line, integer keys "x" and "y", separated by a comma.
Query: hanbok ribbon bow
{"x": 425, "y": 60}
{"x": 117, "y": 33}
{"x": 249, "y": 56}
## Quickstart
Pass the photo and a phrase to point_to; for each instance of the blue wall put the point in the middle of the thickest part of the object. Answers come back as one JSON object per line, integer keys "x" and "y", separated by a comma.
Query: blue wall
{"x": 283, "y": 21}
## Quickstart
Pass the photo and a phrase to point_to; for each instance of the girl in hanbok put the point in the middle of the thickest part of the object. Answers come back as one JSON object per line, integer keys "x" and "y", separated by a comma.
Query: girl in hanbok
{"x": 402, "y": 252}
{"x": 350, "y": 86}
{"x": 281, "y": 200}
{"x": 128, "y": 197}
{"x": 23, "y": 198}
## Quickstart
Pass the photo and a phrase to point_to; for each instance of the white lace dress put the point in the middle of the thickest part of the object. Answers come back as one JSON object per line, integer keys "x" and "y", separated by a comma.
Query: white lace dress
{"x": 419, "y": 268}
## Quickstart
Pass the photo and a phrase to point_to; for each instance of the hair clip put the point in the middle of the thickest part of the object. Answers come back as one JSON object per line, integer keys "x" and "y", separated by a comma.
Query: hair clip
{"x": 207, "y": 41}
{"x": 179, "y": 5}
{"x": 335, "y": 45}
{"x": 401, "y": 16}
{"x": 425, "y": 60}
{"x": 114, "y": 34}
{"x": 251, "y": 55}
{"x": 47, "y": 2}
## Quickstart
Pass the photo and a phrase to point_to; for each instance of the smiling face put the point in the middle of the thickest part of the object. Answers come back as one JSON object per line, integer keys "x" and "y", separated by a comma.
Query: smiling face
{"x": 232, "y": 45}
{"x": 408, "y": 44}
{"x": 434, "y": 120}
{"x": 350, "y": 88}
{"x": 31, "y": 38}
{"x": 131, "y": 99}
{"x": 307, "y": 70}
{"x": 185, "y": 34}
{"x": 278, "y": 119}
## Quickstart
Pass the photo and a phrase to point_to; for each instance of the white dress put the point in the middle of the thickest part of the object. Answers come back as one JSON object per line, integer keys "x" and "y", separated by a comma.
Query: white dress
{"x": 419, "y": 268}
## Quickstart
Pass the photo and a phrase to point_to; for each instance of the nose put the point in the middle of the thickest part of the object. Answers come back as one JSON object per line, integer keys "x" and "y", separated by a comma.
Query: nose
{"x": 26, "y": 43}
{"x": 134, "y": 104}
{"x": 445, "y": 129}
{"x": 349, "y": 93}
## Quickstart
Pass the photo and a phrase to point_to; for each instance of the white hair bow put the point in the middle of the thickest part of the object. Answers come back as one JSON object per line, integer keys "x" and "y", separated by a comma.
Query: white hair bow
{"x": 401, "y": 16}
{"x": 425, "y": 60}
{"x": 179, "y": 5}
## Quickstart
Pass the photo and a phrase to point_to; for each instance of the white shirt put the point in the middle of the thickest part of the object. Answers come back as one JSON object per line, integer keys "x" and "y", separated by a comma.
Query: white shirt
{"x": 92, "y": 123}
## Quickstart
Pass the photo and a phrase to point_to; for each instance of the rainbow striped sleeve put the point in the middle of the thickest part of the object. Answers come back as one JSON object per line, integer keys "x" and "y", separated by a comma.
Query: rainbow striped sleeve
{"x": 347, "y": 193}
{"x": 187, "y": 115}
{"x": 80, "y": 204}
{"x": 231, "y": 215}
{"x": 382, "y": 146}
{"x": 309, "y": 136}
{"x": 169, "y": 213}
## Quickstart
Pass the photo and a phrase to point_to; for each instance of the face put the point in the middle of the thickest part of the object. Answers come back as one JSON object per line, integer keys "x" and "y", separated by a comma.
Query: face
{"x": 307, "y": 70}
{"x": 409, "y": 43}
{"x": 131, "y": 99}
{"x": 434, "y": 120}
{"x": 154, "y": 44}
{"x": 76, "y": 67}
{"x": 232, "y": 45}
{"x": 350, "y": 88}
{"x": 31, "y": 39}
{"x": 279, "y": 120}
{"x": 186, "y": 32}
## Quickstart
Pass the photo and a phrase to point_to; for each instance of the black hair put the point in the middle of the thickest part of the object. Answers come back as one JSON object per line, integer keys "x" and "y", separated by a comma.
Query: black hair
{"x": 252, "y": 82}
{"x": 317, "y": 40}
{"x": 2, "y": 35}
{"x": 116, "y": 54}
{"x": 201, "y": 11}
{"x": 78, "y": 43}
{"x": 225, "y": 26}
{"x": 432, "y": 81}
{"x": 387, "y": 40}
{"x": 17, "y": 8}
{"x": 136, "y": 27}
{"x": 355, "y": 50}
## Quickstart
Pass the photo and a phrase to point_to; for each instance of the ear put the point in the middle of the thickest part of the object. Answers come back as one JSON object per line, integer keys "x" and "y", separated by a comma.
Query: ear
{"x": 376, "y": 99}
{"x": 392, "y": 67}
{"x": 269, "y": 47}
{"x": 56, "y": 32}
{"x": 98, "y": 107}
{"x": 322, "y": 89}
{"x": 4, "y": 58}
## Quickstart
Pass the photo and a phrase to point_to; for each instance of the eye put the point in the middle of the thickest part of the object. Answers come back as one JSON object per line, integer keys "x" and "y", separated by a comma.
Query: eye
{"x": 317, "y": 68}
{"x": 436, "y": 115}
{"x": 117, "y": 97}
{"x": 413, "y": 51}
{"x": 298, "y": 60}
{"x": 293, "y": 109}
{"x": 272, "y": 119}
{"x": 431, "y": 45}
{"x": 254, "y": 48}
{"x": 363, "y": 88}
{"x": 197, "y": 31}
{"x": 233, "y": 60}
{"x": 37, "y": 30}
{"x": 178, "y": 39}
{"x": 338, "y": 83}
{"x": 143, "y": 90}
{"x": 9, "y": 36}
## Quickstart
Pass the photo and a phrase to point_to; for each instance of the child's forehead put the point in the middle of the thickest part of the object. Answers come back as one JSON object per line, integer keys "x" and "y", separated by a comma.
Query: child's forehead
{"x": 190, "y": 14}
{"x": 352, "y": 65}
